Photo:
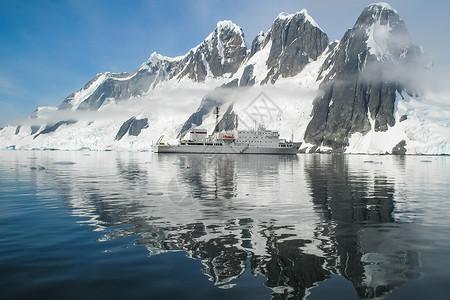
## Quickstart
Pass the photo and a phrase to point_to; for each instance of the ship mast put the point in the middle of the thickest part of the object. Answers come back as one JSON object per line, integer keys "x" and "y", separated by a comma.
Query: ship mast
{"x": 217, "y": 119}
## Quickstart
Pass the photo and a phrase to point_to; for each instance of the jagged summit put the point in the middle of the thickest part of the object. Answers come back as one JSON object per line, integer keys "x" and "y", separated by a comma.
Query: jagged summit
{"x": 222, "y": 29}
{"x": 386, "y": 32}
{"x": 156, "y": 58}
{"x": 303, "y": 12}
{"x": 296, "y": 40}
{"x": 381, "y": 14}
{"x": 228, "y": 25}
{"x": 222, "y": 52}
{"x": 381, "y": 5}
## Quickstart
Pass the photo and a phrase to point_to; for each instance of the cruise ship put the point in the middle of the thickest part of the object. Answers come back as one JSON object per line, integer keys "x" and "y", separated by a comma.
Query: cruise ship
{"x": 257, "y": 141}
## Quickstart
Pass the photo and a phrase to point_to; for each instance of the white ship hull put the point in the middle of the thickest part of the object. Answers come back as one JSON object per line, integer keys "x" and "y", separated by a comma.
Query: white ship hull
{"x": 228, "y": 149}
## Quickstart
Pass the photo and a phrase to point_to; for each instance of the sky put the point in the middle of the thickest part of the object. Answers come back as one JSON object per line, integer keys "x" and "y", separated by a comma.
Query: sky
{"x": 52, "y": 48}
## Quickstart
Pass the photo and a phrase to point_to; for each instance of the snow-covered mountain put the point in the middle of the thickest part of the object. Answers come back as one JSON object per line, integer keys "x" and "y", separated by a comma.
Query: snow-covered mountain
{"x": 358, "y": 95}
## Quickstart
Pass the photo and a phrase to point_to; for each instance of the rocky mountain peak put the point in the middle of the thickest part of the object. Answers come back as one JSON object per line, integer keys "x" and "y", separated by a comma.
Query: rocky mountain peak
{"x": 227, "y": 25}
{"x": 301, "y": 14}
{"x": 222, "y": 52}
{"x": 156, "y": 58}
{"x": 384, "y": 32}
{"x": 359, "y": 92}
{"x": 296, "y": 41}
{"x": 379, "y": 12}
{"x": 225, "y": 34}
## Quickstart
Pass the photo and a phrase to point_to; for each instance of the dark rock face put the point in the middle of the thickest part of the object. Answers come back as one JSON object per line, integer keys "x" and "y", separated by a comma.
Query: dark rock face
{"x": 258, "y": 43}
{"x": 228, "y": 121}
{"x": 357, "y": 87}
{"x": 137, "y": 126}
{"x": 207, "y": 106}
{"x": 247, "y": 79}
{"x": 399, "y": 149}
{"x": 133, "y": 126}
{"x": 223, "y": 51}
{"x": 34, "y": 129}
{"x": 52, "y": 128}
{"x": 343, "y": 110}
{"x": 295, "y": 43}
{"x": 195, "y": 68}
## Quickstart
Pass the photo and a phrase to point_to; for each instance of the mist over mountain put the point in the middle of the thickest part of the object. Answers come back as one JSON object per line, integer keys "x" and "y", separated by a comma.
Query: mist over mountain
{"x": 358, "y": 95}
{"x": 362, "y": 94}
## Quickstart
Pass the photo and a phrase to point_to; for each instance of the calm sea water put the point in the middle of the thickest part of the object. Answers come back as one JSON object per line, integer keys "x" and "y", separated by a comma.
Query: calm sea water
{"x": 109, "y": 225}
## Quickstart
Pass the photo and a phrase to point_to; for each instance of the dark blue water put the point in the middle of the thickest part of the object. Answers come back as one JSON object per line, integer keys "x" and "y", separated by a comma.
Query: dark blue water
{"x": 108, "y": 225}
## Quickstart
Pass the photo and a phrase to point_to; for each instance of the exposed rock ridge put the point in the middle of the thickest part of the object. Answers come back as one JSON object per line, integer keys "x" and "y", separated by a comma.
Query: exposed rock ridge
{"x": 359, "y": 95}
{"x": 221, "y": 53}
{"x": 296, "y": 41}
{"x": 132, "y": 126}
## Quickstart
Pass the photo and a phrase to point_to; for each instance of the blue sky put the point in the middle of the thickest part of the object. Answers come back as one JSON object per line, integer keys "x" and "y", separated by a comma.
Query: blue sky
{"x": 49, "y": 49}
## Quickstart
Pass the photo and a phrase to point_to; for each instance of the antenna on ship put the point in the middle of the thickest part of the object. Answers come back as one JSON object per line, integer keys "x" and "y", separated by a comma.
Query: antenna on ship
{"x": 217, "y": 119}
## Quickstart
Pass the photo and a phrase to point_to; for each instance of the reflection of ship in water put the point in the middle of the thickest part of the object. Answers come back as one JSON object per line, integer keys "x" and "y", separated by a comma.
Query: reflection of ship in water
{"x": 231, "y": 222}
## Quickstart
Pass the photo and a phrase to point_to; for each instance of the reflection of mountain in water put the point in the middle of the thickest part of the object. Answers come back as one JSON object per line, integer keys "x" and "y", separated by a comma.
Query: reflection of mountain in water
{"x": 258, "y": 212}
{"x": 358, "y": 215}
